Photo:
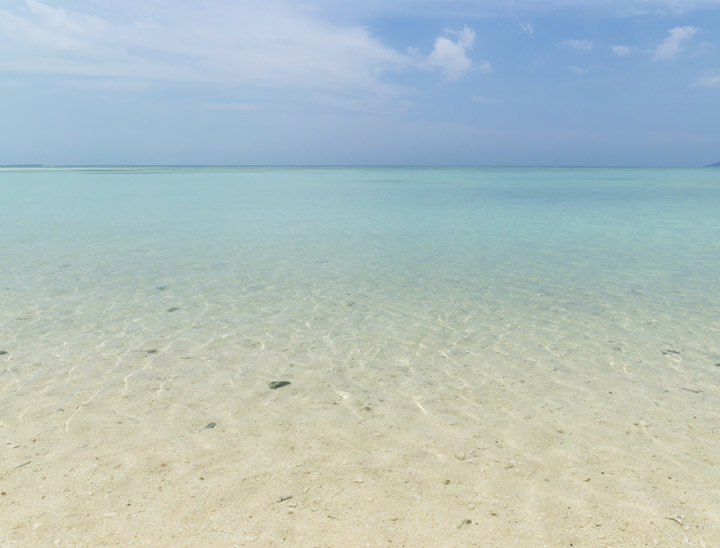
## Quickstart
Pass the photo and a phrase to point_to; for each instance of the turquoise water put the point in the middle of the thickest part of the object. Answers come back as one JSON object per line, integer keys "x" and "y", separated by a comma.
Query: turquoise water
{"x": 610, "y": 242}
{"x": 527, "y": 230}
{"x": 450, "y": 302}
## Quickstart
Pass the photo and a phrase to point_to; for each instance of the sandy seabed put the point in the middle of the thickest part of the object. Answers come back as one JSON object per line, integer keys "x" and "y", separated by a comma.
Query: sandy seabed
{"x": 404, "y": 427}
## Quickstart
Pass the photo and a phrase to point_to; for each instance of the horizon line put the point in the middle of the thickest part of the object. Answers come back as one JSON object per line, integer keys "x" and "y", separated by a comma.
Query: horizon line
{"x": 550, "y": 166}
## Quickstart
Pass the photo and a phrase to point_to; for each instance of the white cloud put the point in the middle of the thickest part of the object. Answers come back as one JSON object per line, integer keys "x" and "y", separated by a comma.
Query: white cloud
{"x": 582, "y": 45}
{"x": 622, "y": 51}
{"x": 708, "y": 81}
{"x": 466, "y": 37}
{"x": 269, "y": 44}
{"x": 578, "y": 70}
{"x": 526, "y": 27}
{"x": 237, "y": 43}
{"x": 672, "y": 45}
{"x": 451, "y": 57}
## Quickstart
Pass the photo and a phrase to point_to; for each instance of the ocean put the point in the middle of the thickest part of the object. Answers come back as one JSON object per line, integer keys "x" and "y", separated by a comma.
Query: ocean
{"x": 475, "y": 356}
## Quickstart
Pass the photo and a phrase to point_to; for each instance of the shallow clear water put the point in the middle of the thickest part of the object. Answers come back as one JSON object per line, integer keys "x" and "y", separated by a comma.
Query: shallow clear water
{"x": 451, "y": 249}
{"x": 441, "y": 305}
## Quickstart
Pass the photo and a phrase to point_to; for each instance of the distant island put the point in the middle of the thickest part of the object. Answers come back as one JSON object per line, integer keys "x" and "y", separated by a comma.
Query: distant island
{"x": 716, "y": 164}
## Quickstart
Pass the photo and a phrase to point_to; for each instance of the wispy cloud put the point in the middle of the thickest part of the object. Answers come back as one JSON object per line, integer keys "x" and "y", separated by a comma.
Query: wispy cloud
{"x": 712, "y": 81}
{"x": 578, "y": 70}
{"x": 451, "y": 56}
{"x": 526, "y": 27}
{"x": 622, "y": 51}
{"x": 375, "y": 104}
{"x": 272, "y": 44}
{"x": 114, "y": 85}
{"x": 264, "y": 44}
{"x": 486, "y": 100}
{"x": 673, "y": 44}
{"x": 582, "y": 45}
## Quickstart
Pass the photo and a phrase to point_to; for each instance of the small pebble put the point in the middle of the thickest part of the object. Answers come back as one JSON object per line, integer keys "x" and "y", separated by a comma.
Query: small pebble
{"x": 274, "y": 385}
{"x": 161, "y": 287}
{"x": 284, "y": 498}
{"x": 465, "y": 522}
{"x": 3, "y": 352}
{"x": 210, "y": 425}
{"x": 173, "y": 309}
{"x": 152, "y": 351}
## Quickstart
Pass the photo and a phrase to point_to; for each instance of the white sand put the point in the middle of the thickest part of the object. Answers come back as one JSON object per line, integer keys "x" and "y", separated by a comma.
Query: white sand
{"x": 517, "y": 432}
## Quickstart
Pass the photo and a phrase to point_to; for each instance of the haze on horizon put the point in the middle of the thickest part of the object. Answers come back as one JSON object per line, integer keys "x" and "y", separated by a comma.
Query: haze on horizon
{"x": 493, "y": 82}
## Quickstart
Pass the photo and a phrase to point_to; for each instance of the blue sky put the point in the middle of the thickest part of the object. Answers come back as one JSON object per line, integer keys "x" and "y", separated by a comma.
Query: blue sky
{"x": 474, "y": 82}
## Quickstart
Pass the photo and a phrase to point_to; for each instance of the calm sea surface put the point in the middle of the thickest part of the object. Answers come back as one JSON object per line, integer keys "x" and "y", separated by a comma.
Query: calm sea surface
{"x": 555, "y": 312}
{"x": 422, "y": 252}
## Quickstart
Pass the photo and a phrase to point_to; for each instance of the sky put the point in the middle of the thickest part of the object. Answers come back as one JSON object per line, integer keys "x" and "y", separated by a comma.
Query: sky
{"x": 280, "y": 82}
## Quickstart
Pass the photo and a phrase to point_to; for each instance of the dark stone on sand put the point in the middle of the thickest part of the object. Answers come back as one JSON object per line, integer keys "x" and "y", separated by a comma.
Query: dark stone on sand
{"x": 274, "y": 385}
{"x": 151, "y": 351}
{"x": 3, "y": 352}
{"x": 210, "y": 425}
{"x": 173, "y": 309}
{"x": 161, "y": 287}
